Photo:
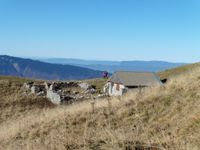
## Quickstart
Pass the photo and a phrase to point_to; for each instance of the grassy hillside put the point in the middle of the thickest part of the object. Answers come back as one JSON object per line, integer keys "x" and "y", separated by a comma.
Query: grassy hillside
{"x": 98, "y": 83}
{"x": 156, "y": 118}
{"x": 177, "y": 71}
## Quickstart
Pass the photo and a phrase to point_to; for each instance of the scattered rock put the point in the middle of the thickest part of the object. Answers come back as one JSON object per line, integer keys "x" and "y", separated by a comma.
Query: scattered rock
{"x": 91, "y": 91}
{"x": 61, "y": 92}
{"x": 32, "y": 88}
{"x": 61, "y": 85}
{"x": 53, "y": 97}
{"x": 38, "y": 89}
{"x": 84, "y": 85}
{"x": 67, "y": 99}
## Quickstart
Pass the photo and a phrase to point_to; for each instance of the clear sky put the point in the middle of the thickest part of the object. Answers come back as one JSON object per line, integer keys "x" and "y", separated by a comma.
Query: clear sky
{"x": 101, "y": 29}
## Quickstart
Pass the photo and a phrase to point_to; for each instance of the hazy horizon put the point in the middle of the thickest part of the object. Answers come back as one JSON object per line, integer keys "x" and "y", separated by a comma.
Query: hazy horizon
{"x": 40, "y": 58}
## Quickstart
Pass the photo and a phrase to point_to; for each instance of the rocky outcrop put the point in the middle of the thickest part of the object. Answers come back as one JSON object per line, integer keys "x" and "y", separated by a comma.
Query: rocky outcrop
{"x": 33, "y": 88}
{"x": 61, "y": 92}
{"x": 57, "y": 93}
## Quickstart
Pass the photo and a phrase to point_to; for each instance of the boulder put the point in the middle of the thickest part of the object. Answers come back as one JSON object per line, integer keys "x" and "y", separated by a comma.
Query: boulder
{"x": 27, "y": 86}
{"x": 84, "y": 85}
{"x": 90, "y": 91}
{"x": 66, "y": 99}
{"x": 53, "y": 97}
{"x": 38, "y": 89}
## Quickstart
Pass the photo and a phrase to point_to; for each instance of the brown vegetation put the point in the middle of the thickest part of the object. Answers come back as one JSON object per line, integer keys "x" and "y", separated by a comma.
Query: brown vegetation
{"x": 158, "y": 118}
{"x": 170, "y": 73}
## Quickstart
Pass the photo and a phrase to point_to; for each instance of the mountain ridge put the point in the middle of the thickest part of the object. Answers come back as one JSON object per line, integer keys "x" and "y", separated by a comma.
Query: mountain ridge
{"x": 21, "y": 67}
{"x": 112, "y": 66}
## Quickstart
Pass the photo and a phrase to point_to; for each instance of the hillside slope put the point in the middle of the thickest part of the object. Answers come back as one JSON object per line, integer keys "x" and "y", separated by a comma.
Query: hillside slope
{"x": 156, "y": 118}
{"x": 170, "y": 73}
{"x": 14, "y": 66}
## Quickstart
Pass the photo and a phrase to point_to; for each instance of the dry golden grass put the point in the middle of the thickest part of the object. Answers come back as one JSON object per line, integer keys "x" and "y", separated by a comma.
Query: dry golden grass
{"x": 98, "y": 82}
{"x": 170, "y": 73}
{"x": 165, "y": 117}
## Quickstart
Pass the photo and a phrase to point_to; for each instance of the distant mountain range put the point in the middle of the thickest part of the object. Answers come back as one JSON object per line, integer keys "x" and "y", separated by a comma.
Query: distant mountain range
{"x": 14, "y": 66}
{"x": 112, "y": 66}
{"x": 73, "y": 69}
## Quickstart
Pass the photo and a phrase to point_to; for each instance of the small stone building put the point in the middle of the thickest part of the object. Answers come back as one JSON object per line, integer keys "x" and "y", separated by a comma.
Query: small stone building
{"x": 122, "y": 81}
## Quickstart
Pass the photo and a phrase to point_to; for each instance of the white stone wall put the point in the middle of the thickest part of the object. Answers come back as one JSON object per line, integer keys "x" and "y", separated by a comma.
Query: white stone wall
{"x": 52, "y": 96}
{"x": 112, "y": 90}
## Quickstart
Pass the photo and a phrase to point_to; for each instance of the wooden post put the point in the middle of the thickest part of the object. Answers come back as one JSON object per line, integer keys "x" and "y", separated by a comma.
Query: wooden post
{"x": 92, "y": 105}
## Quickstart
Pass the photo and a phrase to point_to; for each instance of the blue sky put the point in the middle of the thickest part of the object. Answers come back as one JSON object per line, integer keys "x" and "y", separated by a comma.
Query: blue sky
{"x": 101, "y": 29}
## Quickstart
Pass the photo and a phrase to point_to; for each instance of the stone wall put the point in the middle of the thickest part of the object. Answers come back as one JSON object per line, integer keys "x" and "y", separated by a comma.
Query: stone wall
{"x": 61, "y": 92}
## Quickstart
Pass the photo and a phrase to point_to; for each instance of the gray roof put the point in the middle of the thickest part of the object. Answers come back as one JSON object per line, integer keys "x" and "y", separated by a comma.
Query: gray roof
{"x": 129, "y": 78}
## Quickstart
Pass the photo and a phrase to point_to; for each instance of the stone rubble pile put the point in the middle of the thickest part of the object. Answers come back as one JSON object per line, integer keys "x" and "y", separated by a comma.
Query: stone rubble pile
{"x": 62, "y": 92}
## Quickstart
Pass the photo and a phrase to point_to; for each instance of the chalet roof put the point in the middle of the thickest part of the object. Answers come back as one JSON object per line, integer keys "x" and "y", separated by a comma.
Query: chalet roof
{"x": 129, "y": 78}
